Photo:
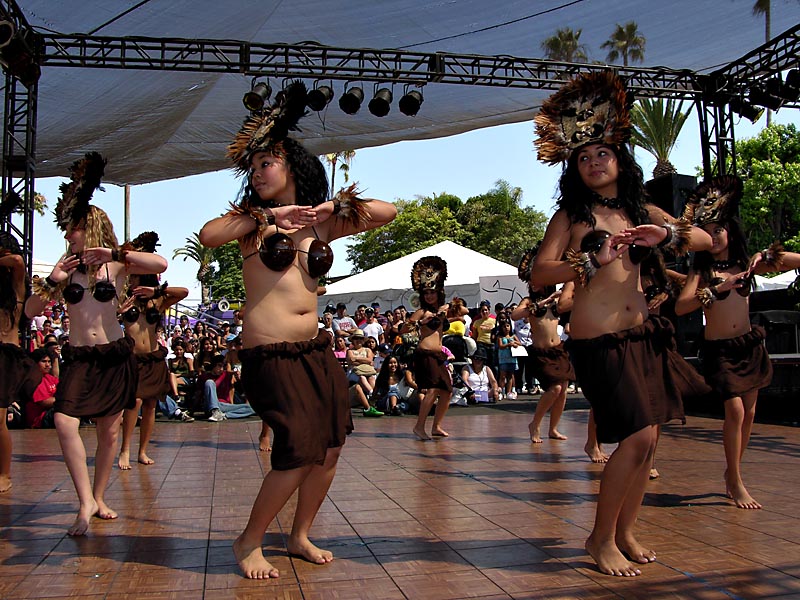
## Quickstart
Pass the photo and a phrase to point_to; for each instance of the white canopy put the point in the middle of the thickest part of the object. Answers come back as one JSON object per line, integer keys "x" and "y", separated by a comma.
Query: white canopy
{"x": 778, "y": 282}
{"x": 470, "y": 275}
{"x": 159, "y": 124}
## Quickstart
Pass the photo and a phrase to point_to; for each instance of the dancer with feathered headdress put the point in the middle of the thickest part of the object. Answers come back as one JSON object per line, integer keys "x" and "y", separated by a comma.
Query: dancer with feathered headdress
{"x": 735, "y": 359}
{"x": 98, "y": 378}
{"x": 284, "y": 224}
{"x": 625, "y": 358}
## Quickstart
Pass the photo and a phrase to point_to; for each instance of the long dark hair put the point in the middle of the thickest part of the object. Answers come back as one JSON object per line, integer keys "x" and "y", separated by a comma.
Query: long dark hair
{"x": 737, "y": 251}
{"x": 382, "y": 381}
{"x": 576, "y": 197}
{"x": 439, "y": 300}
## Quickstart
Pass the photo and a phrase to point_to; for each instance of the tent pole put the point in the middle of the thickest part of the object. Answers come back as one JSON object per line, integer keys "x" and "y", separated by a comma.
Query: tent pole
{"x": 127, "y": 212}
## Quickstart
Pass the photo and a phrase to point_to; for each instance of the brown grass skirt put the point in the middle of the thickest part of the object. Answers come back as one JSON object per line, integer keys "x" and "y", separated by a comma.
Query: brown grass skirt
{"x": 430, "y": 370}
{"x": 634, "y": 378}
{"x": 97, "y": 381}
{"x": 153, "y": 375}
{"x": 550, "y": 365}
{"x": 17, "y": 372}
{"x": 737, "y": 365}
{"x": 300, "y": 390}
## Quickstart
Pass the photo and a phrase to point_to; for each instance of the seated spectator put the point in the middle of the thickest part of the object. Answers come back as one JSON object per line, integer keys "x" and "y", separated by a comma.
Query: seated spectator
{"x": 181, "y": 370}
{"x": 232, "y": 362}
{"x": 479, "y": 377}
{"x": 393, "y": 387}
{"x": 218, "y": 393}
{"x": 202, "y": 359}
{"x": 381, "y": 354}
{"x": 343, "y": 325}
{"x": 39, "y": 409}
{"x": 340, "y": 351}
{"x": 326, "y": 323}
{"x": 371, "y": 327}
{"x": 359, "y": 357}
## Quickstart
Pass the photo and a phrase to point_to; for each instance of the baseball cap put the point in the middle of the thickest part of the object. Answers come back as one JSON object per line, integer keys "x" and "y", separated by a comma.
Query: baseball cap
{"x": 369, "y": 311}
{"x": 485, "y": 303}
{"x": 329, "y": 309}
{"x": 384, "y": 348}
{"x": 341, "y": 305}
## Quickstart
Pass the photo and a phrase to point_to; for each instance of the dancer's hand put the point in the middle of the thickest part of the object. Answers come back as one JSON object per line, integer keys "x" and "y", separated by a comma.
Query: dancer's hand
{"x": 642, "y": 235}
{"x": 64, "y": 267}
{"x": 293, "y": 216}
{"x": 732, "y": 281}
{"x": 97, "y": 256}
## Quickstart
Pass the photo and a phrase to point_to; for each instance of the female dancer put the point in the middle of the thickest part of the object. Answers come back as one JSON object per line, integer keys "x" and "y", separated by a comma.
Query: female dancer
{"x": 15, "y": 365}
{"x": 548, "y": 359}
{"x": 430, "y": 321}
{"x": 283, "y": 225}
{"x": 141, "y": 312}
{"x": 98, "y": 378}
{"x": 735, "y": 361}
{"x": 625, "y": 361}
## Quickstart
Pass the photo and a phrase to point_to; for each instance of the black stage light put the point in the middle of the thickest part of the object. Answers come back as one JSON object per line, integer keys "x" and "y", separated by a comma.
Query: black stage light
{"x": 748, "y": 111}
{"x": 351, "y": 100}
{"x": 790, "y": 90}
{"x": 380, "y": 105}
{"x": 7, "y": 30}
{"x": 258, "y": 95}
{"x": 319, "y": 98}
{"x": 410, "y": 102}
{"x": 18, "y": 53}
{"x": 760, "y": 97}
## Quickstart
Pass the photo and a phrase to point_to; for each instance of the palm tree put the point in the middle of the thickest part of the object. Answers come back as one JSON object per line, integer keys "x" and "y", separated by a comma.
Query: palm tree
{"x": 627, "y": 42}
{"x": 203, "y": 256}
{"x": 565, "y": 46}
{"x": 345, "y": 157}
{"x": 657, "y": 125}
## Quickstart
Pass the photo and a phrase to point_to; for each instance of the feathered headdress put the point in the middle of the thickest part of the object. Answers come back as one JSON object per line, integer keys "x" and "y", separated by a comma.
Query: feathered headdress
{"x": 525, "y": 265}
{"x": 592, "y": 108}
{"x": 85, "y": 176}
{"x": 144, "y": 242}
{"x": 714, "y": 201}
{"x": 11, "y": 203}
{"x": 428, "y": 273}
{"x": 271, "y": 125}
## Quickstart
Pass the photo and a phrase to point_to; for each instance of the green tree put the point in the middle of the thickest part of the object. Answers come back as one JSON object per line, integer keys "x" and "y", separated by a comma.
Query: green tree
{"x": 492, "y": 223}
{"x": 565, "y": 46}
{"x": 226, "y": 275}
{"x": 625, "y": 42}
{"x": 203, "y": 256}
{"x": 769, "y": 164}
{"x": 343, "y": 160}
{"x": 657, "y": 125}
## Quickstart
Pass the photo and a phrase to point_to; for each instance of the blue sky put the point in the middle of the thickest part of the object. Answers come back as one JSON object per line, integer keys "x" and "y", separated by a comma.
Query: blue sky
{"x": 464, "y": 165}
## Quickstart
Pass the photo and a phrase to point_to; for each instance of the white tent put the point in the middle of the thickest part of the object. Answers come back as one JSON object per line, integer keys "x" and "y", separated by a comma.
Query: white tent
{"x": 778, "y": 282}
{"x": 470, "y": 275}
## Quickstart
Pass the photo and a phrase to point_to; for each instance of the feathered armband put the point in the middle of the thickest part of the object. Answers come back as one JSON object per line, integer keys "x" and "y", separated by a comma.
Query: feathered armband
{"x": 707, "y": 296}
{"x": 46, "y": 288}
{"x": 263, "y": 217}
{"x": 677, "y": 240}
{"x": 773, "y": 256}
{"x": 347, "y": 205}
{"x": 585, "y": 265}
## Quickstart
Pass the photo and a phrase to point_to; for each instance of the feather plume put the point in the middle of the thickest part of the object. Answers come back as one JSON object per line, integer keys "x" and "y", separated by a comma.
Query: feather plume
{"x": 262, "y": 130}
{"x": 428, "y": 273}
{"x": 715, "y": 200}
{"x": 144, "y": 242}
{"x": 591, "y": 108}
{"x": 350, "y": 207}
{"x": 85, "y": 177}
{"x": 11, "y": 203}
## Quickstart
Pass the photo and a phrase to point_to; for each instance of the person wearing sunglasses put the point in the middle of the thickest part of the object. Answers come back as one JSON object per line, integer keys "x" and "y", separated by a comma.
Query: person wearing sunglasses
{"x": 284, "y": 224}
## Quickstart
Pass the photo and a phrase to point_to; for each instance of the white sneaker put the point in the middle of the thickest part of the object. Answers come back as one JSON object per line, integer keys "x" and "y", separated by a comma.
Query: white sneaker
{"x": 217, "y": 415}
{"x": 512, "y": 395}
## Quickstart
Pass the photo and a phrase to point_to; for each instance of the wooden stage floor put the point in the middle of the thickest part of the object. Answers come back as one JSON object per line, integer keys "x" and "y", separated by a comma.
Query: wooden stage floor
{"x": 483, "y": 514}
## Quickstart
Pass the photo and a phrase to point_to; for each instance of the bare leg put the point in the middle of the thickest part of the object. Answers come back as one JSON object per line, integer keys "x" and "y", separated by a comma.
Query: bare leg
{"x": 592, "y": 447}
{"x": 424, "y": 409}
{"x": 441, "y": 409}
{"x": 146, "y": 430}
{"x": 733, "y": 428}
{"x": 107, "y": 431}
{"x": 75, "y": 457}
{"x": 276, "y": 489}
{"x": 310, "y": 497}
{"x": 557, "y": 410}
{"x": 128, "y": 427}
{"x": 619, "y": 481}
{"x": 263, "y": 438}
{"x": 625, "y": 539}
{"x": 545, "y": 402}
{"x": 654, "y": 474}
{"x": 5, "y": 452}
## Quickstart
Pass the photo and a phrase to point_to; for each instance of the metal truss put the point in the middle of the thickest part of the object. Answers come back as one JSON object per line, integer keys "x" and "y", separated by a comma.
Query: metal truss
{"x": 716, "y": 127}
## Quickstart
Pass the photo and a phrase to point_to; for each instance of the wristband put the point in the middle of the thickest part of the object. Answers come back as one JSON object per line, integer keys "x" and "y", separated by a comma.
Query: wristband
{"x": 583, "y": 265}
{"x": 707, "y": 296}
{"x": 678, "y": 235}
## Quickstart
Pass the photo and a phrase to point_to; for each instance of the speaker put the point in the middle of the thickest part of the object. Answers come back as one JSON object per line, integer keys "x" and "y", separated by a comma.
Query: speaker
{"x": 669, "y": 192}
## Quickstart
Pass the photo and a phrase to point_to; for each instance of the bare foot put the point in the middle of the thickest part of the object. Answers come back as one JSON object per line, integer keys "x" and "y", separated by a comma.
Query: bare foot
{"x": 124, "y": 462}
{"x": 420, "y": 433}
{"x": 145, "y": 460}
{"x": 104, "y": 511}
{"x": 631, "y": 548}
{"x": 439, "y": 433}
{"x": 252, "y": 562}
{"x": 81, "y": 524}
{"x": 305, "y": 549}
{"x": 557, "y": 435}
{"x": 738, "y": 493}
{"x": 263, "y": 444}
{"x": 5, "y": 483}
{"x": 534, "y": 433}
{"x": 654, "y": 474}
{"x": 595, "y": 453}
{"x": 610, "y": 560}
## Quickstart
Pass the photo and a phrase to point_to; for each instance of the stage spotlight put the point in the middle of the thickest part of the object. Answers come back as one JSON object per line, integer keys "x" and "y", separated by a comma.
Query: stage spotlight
{"x": 410, "y": 102}
{"x": 7, "y": 30}
{"x": 748, "y": 111}
{"x": 319, "y": 98}
{"x": 380, "y": 105}
{"x": 760, "y": 97}
{"x": 18, "y": 53}
{"x": 351, "y": 100}
{"x": 790, "y": 90}
{"x": 258, "y": 95}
